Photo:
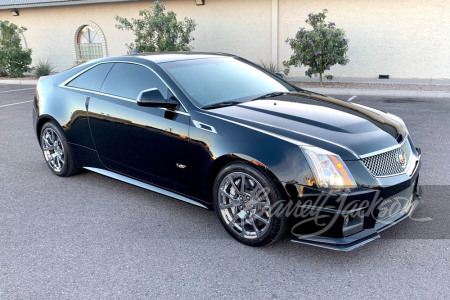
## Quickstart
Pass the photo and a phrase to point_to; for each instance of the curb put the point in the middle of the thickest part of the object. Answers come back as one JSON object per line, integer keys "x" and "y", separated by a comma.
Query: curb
{"x": 385, "y": 93}
{"x": 19, "y": 81}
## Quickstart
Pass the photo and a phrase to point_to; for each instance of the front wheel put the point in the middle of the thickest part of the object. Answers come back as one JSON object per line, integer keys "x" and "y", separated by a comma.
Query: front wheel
{"x": 244, "y": 200}
{"x": 57, "y": 151}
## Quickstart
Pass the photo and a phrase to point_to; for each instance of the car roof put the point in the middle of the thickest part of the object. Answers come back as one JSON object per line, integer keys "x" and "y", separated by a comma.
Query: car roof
{"x": 163, "y": 57}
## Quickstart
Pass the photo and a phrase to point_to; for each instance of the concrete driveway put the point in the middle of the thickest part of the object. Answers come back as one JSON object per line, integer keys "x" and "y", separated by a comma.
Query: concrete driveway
{"x": 89, "y": 236}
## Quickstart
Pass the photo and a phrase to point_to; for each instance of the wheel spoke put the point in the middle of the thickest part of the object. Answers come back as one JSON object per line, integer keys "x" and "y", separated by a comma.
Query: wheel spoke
{"x": 254, "y": 192}
{"x": 226, "y": 194}
{"x": 61, "y": 161}
{"x": 233, "y": 184}
{"x": 242, "y": 233}
{"x": 232, "y": 222}
{"x": 255, "y": 228}
{"x": 48, "y": 148}
{"x": 242, "y": 183}
{"x": 262, "y": 204}
{"x": 233, "y": 202}
{"x": 261, "y": 219}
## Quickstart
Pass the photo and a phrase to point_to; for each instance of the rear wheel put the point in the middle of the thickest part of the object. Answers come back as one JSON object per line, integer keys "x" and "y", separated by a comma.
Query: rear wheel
{"x": 244, "y": 198}
{"x": 57, "y": 152}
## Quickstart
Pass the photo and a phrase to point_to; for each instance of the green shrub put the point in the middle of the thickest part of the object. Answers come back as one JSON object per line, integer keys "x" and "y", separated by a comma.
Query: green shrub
{"x": 318, "y": 49}
{"x": 43, "y": 68}
{"x": 269, "y": 66}
{"x": 14, "y": 60}
{"x": 158, "y": 31}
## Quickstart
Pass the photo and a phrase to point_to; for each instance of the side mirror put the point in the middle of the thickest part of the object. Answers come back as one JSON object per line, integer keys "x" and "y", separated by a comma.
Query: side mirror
{"x": 154, "y": 98}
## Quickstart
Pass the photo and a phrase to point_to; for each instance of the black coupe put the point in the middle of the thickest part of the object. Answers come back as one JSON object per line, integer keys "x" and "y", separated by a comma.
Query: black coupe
{"x": 218, "y": 131}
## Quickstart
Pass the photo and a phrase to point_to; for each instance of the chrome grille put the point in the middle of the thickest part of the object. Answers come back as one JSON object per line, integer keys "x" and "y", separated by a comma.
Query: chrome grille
{"x": 388, "y": 163}
{"x": 394, "y": 204}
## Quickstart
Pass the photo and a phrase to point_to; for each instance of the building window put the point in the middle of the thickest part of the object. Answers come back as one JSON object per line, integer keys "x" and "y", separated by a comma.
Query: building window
{"x": 23, "y": 42}
{"x": 89, "y": 43}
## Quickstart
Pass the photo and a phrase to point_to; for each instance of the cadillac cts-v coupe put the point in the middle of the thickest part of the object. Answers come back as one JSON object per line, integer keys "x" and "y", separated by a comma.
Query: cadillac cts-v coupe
{"x": 217, "y": 131}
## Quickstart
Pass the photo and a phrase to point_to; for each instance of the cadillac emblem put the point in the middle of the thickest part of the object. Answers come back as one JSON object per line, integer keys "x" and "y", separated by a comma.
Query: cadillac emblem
{"x": 402, "y": 159}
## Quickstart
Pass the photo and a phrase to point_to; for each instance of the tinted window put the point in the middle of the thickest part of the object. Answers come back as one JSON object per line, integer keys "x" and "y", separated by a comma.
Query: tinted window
{"x": 128, "y": 80}
{"x": 92, "y": 79}
{"x": 213, "y": 80}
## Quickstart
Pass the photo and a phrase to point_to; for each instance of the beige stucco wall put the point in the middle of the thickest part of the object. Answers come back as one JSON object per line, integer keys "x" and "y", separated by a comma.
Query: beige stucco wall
{"x": 402, "y": 38}
{"x": 234, "y": 26}
{"x": 405, "y": 39}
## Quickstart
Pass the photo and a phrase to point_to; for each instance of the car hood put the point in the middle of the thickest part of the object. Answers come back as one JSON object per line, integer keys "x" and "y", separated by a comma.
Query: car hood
{"x": 347, "y": 129}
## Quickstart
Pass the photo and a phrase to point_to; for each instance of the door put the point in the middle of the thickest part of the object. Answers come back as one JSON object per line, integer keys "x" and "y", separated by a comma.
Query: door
{"x": 147, "y": 143}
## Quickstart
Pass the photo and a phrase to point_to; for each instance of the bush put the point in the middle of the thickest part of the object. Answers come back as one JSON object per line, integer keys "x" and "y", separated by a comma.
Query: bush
{"x": 158, "y": 31}
{"x": 318, "y": 49}
{"x": 14, "y": 60}
{"x": 269, "y": 66}
{"x": 43, "y": 68}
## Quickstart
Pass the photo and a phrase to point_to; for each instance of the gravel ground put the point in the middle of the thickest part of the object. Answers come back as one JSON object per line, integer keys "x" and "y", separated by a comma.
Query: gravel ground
{"x": 374, "y": 86}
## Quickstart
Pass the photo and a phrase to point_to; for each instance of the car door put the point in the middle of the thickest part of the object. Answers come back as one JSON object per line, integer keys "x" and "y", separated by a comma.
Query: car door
{"x": 147, "y": 143}
{"x": 75, "y": 93}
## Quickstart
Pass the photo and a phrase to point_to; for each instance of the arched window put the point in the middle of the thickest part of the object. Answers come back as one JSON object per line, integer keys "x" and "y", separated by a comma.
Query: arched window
{"x": 23, "y": 42}
{"x": 89, "y": 43}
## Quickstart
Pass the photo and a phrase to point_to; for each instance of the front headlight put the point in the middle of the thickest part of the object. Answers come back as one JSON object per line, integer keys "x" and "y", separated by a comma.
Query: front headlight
{"x": 328, "y": 168}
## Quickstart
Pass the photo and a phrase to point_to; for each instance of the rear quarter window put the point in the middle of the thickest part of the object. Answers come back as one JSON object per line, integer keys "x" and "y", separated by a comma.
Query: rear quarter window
{"x": 92, "y": 79}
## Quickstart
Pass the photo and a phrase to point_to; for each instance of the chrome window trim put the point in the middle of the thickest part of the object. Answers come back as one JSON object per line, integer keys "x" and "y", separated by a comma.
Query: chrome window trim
{"x": 64, "y": 83}
{"x": 121, "y": 98}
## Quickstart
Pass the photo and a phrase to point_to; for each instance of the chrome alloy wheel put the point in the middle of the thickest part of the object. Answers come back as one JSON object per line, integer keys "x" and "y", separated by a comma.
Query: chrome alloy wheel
{"x": 244, "y": 205}
{"x": 53, "y": 149}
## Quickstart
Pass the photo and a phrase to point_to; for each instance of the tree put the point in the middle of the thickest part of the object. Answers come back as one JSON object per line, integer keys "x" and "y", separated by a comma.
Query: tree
{"x": 14, "y": 60}
{"x": 158, "y": 31}
{"x": 318, "y": 49}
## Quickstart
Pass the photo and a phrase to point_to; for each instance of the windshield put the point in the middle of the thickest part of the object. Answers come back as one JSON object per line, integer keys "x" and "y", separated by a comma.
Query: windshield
{"x": 224, "y": 79}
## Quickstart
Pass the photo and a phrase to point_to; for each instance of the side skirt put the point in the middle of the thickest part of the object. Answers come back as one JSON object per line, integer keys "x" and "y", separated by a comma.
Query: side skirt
{"x": 144, "y": 185}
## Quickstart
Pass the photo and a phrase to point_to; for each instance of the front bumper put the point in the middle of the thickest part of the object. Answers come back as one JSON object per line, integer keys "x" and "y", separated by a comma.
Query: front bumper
{"x": 371, "y": 225}
{"x": 366, "y": 235}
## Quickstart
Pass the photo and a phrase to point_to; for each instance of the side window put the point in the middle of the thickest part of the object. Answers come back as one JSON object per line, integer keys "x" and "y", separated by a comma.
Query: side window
{"x": 128, "y": 80}
{"x": 92, "y": 79}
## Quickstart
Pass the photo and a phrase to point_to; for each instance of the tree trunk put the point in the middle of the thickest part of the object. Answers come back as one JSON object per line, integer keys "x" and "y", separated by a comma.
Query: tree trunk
{"x": 321, "y": 78}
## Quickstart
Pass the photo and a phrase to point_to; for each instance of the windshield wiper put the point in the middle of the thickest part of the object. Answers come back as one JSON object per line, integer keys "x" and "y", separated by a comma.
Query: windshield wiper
{"x": 221, "y": 104}
{"x": 270, "y": 95}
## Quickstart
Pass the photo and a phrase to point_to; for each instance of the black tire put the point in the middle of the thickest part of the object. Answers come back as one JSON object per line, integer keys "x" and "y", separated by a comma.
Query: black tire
{"x": 64, "y": 164}
{"x": 276, "y": 224}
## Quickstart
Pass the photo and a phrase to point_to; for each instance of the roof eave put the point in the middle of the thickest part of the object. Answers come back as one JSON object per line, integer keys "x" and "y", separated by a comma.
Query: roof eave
{"x": 54, "y": 4}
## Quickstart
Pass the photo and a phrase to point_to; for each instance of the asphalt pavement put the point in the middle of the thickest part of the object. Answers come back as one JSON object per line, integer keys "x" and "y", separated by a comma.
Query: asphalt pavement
{"x": 92, "y": 237}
